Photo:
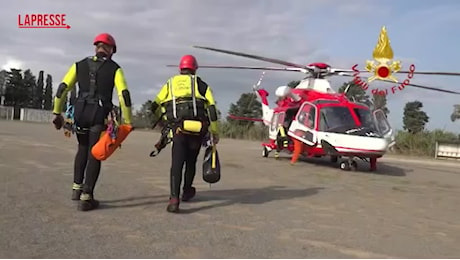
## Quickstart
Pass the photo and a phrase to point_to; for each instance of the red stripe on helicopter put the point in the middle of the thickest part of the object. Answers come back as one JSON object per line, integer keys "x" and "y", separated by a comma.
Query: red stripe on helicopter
{"x": 358, "y": 149}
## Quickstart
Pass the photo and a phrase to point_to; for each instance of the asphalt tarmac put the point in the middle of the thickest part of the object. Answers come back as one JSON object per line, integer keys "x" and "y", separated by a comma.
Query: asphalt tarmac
{"x": 261, "y": 208}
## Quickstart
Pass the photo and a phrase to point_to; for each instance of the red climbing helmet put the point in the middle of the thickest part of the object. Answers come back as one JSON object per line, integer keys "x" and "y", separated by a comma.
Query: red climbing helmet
{"x": 107, "y": 39}
{"x": 188, "y": 62}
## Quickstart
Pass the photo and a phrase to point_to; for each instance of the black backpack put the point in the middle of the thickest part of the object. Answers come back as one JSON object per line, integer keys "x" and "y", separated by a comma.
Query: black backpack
{"x": 211, "y": 165}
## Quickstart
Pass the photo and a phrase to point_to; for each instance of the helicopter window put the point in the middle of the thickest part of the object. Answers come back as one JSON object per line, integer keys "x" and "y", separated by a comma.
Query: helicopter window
{"x": 382, "y": 122}
{"x": 324, "y": 101}
{"x": 335, "y": 117}
{"x": 274, "y": 122}
{"x": 306, "y": 115}
{"x": 281, "y": 118}
{"x": 365, "y": 117}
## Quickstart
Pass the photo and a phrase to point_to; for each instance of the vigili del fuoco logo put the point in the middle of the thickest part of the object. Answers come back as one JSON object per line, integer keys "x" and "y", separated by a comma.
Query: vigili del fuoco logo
{"x": 383, "y": 66}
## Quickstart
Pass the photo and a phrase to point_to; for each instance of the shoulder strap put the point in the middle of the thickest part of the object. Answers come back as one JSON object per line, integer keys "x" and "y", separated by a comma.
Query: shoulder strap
{"x": 192, "y": 80}
{"x": 202, "y": 86}
{"x": 94, "y": 66}
{"x": 172, "y": 96}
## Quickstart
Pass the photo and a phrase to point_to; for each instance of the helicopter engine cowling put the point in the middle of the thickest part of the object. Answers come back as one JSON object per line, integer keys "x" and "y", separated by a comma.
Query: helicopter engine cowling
{"x": 285, "y": 91}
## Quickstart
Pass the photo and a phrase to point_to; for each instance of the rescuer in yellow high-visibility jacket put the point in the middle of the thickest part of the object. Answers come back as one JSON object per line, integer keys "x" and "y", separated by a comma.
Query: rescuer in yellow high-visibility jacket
{"x": 189, "y": 110}
{"x": 97, "y": 76}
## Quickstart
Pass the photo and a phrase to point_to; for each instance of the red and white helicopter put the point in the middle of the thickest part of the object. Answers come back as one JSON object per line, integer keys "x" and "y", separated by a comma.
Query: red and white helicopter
{"x": 326, "y": 121}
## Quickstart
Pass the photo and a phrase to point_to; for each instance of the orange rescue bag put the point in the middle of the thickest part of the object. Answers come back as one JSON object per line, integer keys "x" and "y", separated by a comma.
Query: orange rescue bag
{"x": 106, "y": 146}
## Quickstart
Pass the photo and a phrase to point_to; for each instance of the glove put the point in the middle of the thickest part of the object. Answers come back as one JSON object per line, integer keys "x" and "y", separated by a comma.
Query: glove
{"x": 58, "y": 121}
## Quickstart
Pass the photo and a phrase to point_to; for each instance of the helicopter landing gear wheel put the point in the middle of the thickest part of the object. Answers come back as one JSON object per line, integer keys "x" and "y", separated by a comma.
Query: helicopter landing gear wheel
{"x": 349, "y": 165}
{"x": 265, "y": 152}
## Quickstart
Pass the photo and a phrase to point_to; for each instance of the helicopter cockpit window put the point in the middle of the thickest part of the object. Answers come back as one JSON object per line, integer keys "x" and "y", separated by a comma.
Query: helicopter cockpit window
{"x": 334, "y": 118}
{"x": 365, "y": 117}
{"x": 306, "y": 115}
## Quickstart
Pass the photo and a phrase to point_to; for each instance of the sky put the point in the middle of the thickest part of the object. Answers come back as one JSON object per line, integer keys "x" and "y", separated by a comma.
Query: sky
{"x": 151, "y": 34}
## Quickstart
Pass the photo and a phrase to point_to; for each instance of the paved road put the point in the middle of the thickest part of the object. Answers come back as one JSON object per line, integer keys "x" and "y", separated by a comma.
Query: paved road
{"x": 262, "y": 208}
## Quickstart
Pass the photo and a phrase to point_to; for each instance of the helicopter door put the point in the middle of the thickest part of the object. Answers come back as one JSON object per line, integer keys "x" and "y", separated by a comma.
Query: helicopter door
{"x": 383, "y": 125}
{"x": 303, "y": 126}
{"x": 273, "y": 130}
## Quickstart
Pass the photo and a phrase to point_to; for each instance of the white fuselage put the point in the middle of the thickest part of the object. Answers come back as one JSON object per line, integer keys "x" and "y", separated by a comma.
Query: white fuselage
{"x": 365, "y": 146}
{"x": 320, "y": 85}
{"x": 344, "y": 143}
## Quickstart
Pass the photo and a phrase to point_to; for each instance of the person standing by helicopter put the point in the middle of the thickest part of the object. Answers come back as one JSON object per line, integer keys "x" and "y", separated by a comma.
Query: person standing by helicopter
{"x": 190, "y": 113}
{"x": 307, "y": 118}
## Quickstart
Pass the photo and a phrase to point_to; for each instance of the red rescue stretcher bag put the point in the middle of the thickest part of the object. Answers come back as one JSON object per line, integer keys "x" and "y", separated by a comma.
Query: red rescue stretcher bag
{"x": 107, "y": 145}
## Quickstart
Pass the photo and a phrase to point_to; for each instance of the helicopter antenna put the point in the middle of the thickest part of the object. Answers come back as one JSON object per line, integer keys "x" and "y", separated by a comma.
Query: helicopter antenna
{"x": 257, "y": 85}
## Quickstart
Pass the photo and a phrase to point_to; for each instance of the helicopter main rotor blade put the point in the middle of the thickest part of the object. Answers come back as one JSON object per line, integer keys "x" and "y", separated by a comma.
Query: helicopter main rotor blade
{"x": 413, "y": 85}
{"x": 435, "y": 73}
{"x": 251, "y": 56}
{"x": 248, "y": 67}
{"x": 438, "y": 73}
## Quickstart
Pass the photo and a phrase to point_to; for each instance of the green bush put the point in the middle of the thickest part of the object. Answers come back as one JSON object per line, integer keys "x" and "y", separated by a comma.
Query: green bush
{"x": 423, "y": 143}
{"x": 257, "y": 132}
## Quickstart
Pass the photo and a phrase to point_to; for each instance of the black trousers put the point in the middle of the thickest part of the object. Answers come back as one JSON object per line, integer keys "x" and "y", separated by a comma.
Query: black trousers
{"x": 185, "y": 150}
{"x": 85, "y": 161}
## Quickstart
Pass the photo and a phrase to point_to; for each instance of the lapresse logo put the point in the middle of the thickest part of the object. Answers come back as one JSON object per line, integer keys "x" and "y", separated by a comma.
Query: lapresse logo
{"x": 42, "y": 21}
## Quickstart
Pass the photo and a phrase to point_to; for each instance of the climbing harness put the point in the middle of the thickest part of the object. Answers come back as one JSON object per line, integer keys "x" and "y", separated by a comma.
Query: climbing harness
{"x": 69, "y": 123}
{"x": 165, "y": 139}
{"x": 112, "y": 125}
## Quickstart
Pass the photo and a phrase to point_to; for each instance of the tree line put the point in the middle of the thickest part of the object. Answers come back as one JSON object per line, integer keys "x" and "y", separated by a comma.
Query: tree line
{"x": 22, "y": 89}
{"x": 414, "y": 120}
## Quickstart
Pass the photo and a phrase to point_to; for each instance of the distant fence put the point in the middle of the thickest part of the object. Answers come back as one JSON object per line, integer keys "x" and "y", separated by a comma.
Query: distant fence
{"x": 6, "y": 113}
{"x": 447, "y": 150}
{"x": 26, "y": 114}
{"x": 36, "y": 115}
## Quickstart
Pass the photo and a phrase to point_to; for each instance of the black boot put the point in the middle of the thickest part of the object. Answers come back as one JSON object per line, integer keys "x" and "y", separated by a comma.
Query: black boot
{"x": 173, "y": 206}
{"x": 188, "y": 193}
{"x": 76, "y": 191}
{"x": 87, "y": 202}
{"x": 76, "y": 194}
